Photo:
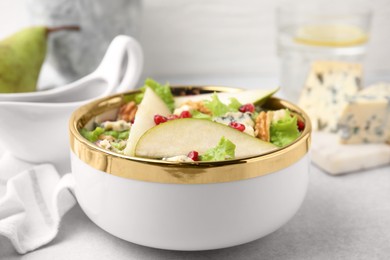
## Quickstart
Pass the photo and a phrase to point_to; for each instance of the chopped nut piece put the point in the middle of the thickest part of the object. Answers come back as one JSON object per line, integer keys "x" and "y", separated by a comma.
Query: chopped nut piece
{"x": 106, "y": 137}
{"x": 263, "y": 124}
{"x": 127, "y": 111}
{"x": 198, "y": 106}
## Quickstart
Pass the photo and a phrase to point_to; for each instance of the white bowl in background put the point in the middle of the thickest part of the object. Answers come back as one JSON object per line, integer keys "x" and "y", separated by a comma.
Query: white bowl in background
{"x": 34, "y": 125}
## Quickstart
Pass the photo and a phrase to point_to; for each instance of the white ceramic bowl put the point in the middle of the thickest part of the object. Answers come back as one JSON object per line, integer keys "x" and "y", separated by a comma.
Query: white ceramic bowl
{"x": 34, "y": 125}
{"x": 181, "y": 206}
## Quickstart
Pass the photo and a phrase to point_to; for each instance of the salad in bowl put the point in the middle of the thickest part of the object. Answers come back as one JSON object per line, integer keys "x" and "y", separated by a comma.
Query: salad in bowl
{"x": 155, "y": 124}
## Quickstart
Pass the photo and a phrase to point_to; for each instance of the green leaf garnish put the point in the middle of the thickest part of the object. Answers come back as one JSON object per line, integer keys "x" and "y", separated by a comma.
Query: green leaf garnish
{"x": 163, "y": 91}
{"x": 218, "y": 108}
{"x": 224, "y": 150}
{"x": 93, "y": 135}
{"x": 285, "y": 130}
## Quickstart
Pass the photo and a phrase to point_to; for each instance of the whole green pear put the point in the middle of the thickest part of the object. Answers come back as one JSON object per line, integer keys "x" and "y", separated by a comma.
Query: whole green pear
{"x": 22, "y": 55}
{"x": 21, "y": 58}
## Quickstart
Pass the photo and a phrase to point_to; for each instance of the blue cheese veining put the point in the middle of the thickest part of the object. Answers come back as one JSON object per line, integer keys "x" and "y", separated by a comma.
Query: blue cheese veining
{"x": 326, "y": 91}
{"x": 366, "y": 117}
{"x": 242, "y": 118}
{"x": 120, "y": 125}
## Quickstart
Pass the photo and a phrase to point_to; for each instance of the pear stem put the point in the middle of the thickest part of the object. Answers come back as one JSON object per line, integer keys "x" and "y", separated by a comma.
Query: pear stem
{"x": 62, "y": 28}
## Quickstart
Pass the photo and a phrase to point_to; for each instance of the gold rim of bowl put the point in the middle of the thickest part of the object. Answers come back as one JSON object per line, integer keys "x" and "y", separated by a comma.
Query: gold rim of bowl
{"x": 152, "y": 170}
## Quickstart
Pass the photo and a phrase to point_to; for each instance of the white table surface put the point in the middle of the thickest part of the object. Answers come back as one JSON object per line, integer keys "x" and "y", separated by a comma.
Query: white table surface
{"x": 342, "y": 217}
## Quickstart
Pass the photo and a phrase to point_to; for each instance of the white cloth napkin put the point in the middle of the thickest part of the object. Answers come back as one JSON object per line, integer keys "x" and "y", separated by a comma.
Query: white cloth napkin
{"x": 33, "y": 199}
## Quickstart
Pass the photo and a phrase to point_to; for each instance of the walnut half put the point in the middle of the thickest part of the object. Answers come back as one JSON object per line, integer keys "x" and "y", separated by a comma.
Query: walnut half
{"x": 262, "y": 126}
{"x": 127, "y": 111}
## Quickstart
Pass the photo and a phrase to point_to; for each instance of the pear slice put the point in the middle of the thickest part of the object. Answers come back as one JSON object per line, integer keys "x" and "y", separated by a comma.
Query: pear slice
{"x": 254, "y": 96}
{"x": 179, "y": 137}
{"x": 150, "y": 105}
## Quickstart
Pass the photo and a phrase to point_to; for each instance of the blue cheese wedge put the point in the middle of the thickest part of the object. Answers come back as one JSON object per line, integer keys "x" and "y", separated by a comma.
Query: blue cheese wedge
{"x": 366, "y": 117}
{"x": 327, "y": 90}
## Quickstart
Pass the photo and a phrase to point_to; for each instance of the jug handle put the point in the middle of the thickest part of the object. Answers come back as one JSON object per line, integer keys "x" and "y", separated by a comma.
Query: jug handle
{"x": 122, "y": 65}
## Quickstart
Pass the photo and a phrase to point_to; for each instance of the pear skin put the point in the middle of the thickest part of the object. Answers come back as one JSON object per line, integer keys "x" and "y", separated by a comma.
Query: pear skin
{"x": 21, "y": 58}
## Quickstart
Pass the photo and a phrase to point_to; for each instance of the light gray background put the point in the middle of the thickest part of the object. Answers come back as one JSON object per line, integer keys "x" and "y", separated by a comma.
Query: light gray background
{"x": 218, "y": 37}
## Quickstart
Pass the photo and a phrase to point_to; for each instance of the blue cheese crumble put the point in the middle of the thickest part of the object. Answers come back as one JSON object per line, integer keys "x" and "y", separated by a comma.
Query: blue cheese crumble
{"x": 239, "y": 117}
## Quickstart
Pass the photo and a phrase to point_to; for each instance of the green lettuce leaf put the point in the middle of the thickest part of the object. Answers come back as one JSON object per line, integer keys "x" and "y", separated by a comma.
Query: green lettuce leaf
{"x": 285, "y": 130}
{"x": 255, "y": 114}
{"x": 199, "y": 115}
{"x": 111, "y": 133}
{"x": 234, "y": 104}
{"x": 218, "y": 108}
{"x": 119, "y": 146}
{"x": 163, "y": 91}
{"x": 122, "y": 135}
{"x": 93, "y": 135}
{"x": 224, "y": 150}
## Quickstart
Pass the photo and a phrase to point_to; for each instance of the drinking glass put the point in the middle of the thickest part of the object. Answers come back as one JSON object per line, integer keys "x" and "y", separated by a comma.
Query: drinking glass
{"x": 318, "y": 30}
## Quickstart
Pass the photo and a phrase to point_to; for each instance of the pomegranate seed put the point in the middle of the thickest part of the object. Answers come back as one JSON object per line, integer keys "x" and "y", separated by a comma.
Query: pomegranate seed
{"x": 173, "y": 117}
{"x": 185, "y": 114}
{"x": 238, "y": 126}
{"x": 301, "y": 125}
{"x": 158, "y": 119}
{"x": 194, "y": 155}
{"x": 247, "y": 108}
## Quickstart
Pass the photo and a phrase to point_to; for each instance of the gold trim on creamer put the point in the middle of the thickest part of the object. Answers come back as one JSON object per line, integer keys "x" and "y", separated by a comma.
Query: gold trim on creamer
{"x": 151, "y": 170}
